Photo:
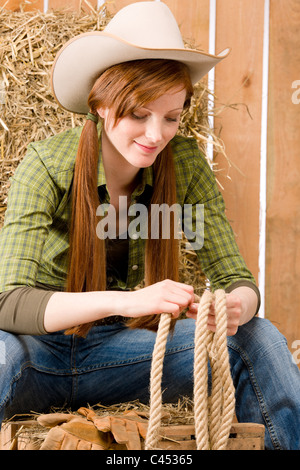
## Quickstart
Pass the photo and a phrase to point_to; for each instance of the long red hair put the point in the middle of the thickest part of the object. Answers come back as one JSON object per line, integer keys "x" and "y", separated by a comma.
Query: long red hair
{"x": 122, "y": 89}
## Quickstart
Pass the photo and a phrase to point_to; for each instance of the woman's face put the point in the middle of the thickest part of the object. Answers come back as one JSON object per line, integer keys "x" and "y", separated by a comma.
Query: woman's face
{"x": 142, "y": 135}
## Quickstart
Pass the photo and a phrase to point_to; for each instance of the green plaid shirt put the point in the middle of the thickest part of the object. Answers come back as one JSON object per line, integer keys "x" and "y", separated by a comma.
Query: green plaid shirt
{"x": 34, "y": 240}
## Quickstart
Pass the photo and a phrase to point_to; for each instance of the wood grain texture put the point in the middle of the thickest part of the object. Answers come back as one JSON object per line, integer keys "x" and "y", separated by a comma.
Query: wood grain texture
{"x": 70, "y": 5}
{"x": 14, "y": 5}
{"x": 283, "y": 172}
{"x": 116, "y": 5}
{"x": 239, "y": 83}
{"x": 193, "y": 21}
{"x": 243, "y": 436}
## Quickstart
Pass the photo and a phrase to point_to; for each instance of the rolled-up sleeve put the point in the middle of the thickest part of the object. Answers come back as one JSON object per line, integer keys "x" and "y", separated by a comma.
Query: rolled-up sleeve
{"x": 22, "y": 310}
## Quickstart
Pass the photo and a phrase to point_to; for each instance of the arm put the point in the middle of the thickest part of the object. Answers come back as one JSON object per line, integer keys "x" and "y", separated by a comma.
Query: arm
{"x": 65, "y": 310}
{"x": 31, "y": 204}
{"x": 219, "y": 256}
{"x": 32, "y": 201}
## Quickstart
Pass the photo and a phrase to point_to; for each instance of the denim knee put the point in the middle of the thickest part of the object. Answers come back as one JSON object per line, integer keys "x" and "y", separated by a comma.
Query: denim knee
{"x": 259, "y": 336}
{"x": 12, "y": 351}
{"x": 13, "y": 356}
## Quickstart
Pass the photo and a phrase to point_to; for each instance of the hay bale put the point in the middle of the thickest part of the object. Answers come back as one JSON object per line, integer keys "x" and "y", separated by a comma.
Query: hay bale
{"x": 28, "y": 111}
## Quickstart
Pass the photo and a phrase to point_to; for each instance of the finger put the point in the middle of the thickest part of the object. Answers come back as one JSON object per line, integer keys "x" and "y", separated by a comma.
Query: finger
{"x": 232, "y": 330}
{"x": 191, "y": 315}
{"x": 193, "y": 308}
{"x": 185, "y": 287}
{"x": 192, "y": 311}
{"x": 172, "y": 308}
{"x": 233, "y": 301}
{"x": 182, "y": 298}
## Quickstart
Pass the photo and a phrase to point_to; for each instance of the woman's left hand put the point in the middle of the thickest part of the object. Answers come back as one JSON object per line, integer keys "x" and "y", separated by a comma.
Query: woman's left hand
{"x": 234, "y": 311}
{"x": 240, "y": 305}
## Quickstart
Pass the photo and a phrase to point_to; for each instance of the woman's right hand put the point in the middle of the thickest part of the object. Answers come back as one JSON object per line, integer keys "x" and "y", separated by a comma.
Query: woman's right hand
{"x": 67, "y": 309}
{"x": 166, "y": 296}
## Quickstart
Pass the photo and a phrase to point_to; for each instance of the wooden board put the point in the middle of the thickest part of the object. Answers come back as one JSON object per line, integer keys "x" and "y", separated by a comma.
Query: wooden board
{"x": 193, "y": 21}
{"x": 14, "y": 5}
{"x": 243, "y": 436}
{"x": 239, "y": 81}
{"x": 70, "y": 5}
{"x": 283, "y": 173}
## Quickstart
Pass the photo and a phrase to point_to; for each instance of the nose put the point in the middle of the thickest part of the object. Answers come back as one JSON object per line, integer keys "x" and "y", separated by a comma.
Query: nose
{"x": 154, "y": 131}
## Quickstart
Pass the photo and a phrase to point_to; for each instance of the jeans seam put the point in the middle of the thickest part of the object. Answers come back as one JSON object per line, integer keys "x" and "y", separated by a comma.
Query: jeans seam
{"x": 259, "y": 396}
{"x": 73, "y": 367}
{"x": 132, "y": 361}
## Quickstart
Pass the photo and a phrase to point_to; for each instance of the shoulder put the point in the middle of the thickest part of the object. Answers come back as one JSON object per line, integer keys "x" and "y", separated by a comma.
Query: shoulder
{"x": 195, "y": 179}
{"x": 58, "y": 152}
{"x": 187, "y": 154}
{"x": 188, "y": 158}
{"x": 184, "y": 146}
{"x": 50, "y": 161}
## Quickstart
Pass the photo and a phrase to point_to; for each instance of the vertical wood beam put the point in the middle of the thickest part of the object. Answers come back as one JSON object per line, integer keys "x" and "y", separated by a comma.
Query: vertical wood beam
{"x": 240, "y": 25}
{"x": 283, "y": 171}
{"x": 14, "y": 5}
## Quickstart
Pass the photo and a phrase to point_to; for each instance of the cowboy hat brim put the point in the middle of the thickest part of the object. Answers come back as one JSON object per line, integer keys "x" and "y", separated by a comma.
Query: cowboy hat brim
{"x": 80, "y": 62}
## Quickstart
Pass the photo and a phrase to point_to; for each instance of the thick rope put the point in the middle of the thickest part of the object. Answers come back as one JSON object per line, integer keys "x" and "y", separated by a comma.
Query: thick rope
{"x": 218, "y": 409}
{"x": 214, "y": 414}
{"x": 155, "y": 381}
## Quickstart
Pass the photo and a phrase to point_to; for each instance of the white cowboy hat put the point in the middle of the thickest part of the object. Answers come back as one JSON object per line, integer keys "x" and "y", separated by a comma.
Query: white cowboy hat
{"x": 144, "y": 30}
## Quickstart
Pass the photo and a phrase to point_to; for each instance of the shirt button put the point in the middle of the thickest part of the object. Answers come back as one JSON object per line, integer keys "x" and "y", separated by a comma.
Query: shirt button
{"x": 135, "y": 267}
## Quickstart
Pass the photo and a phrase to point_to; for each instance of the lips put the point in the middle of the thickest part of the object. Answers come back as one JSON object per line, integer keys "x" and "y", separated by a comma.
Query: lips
{"x": 146, "y": 148}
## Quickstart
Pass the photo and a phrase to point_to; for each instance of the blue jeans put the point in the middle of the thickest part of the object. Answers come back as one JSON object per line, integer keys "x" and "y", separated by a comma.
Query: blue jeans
{"x": 112, "y": 365}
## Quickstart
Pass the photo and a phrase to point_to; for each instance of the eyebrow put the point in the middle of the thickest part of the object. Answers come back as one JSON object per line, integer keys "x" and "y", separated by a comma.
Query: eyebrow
{"x": 176, "y": 109}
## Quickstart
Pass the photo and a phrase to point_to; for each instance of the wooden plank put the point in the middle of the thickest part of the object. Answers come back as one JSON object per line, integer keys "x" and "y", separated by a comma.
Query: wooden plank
{"x": 283, "y": 173}
{"x": 243, "y": 436}
{"x": 5, "y": 437}
{"x": 239, "y": 81}
{"x": 249, "y": 443}
{"x": 14, "y": 5}
{"x": 193, "y": 21}
{"x": 9, "y": 439}
{"x": 116, "y": 5}
{"x": 70, "y": 5}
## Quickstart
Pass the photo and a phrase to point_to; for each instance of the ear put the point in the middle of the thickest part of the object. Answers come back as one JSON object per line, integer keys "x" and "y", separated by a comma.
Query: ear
{"x": 103, "y": 112}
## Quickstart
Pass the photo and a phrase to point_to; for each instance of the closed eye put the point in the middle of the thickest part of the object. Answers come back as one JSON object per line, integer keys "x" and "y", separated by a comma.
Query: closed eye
{"x": 172, "y": 119}
{"x": 136, "y": 116}
{"x": 139, "y": 117}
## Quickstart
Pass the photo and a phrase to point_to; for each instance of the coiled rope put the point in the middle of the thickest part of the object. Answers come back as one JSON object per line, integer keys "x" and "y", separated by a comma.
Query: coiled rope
{"x": 213, "y": 414}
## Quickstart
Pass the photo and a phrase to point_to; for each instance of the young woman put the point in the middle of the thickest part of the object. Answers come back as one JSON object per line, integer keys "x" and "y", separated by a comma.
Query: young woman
{"x": 72, "y": 328}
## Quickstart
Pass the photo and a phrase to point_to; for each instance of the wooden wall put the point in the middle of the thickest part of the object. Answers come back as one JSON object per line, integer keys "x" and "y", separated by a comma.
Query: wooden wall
{"x": 260, "y": 129}
{"x": 283, "y": 170}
